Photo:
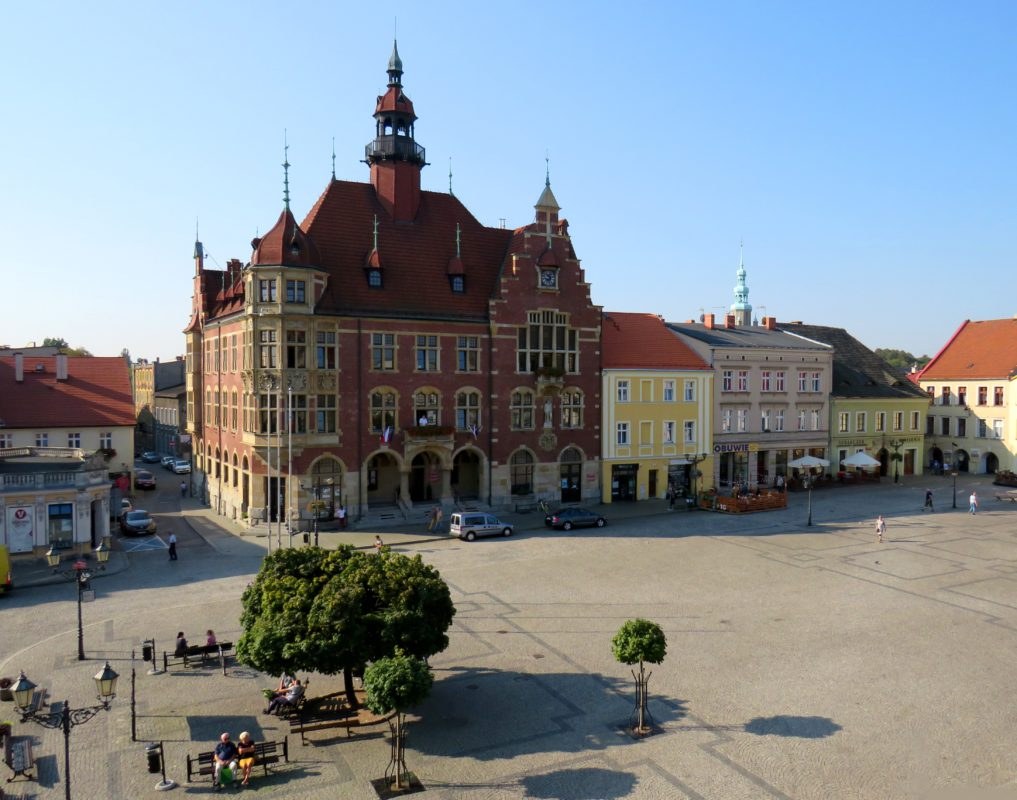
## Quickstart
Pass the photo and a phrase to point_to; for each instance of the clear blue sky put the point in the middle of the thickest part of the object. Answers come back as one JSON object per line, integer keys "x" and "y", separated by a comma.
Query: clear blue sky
{"x": 864, "y": 151}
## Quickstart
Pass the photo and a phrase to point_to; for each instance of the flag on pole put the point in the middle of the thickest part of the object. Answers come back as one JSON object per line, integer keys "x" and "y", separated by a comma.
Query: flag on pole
{"x": 474, "y": 429}
{"x": 386, "y": 435}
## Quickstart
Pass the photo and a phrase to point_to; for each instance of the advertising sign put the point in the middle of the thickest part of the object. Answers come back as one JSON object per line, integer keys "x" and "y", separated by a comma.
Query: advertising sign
{"x": 20, "y": 529}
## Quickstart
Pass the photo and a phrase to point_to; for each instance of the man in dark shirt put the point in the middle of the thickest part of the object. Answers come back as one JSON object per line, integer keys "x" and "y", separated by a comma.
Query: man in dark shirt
{"x": 225, "y": 755}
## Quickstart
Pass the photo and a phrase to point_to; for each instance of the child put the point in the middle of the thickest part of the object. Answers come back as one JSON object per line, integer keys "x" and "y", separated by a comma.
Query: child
{"x": 880, "y": 528}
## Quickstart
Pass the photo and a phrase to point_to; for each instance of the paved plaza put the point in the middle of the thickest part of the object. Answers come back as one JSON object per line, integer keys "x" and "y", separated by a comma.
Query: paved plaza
{"x": 803, "y": 662}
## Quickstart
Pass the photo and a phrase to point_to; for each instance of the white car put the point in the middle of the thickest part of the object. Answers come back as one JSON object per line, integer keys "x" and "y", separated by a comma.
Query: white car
{"x": 180, "y": 467}
{"x": 168, "y": 461}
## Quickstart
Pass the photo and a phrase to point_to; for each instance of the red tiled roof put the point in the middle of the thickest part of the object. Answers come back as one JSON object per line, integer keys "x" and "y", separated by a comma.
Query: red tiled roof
{"x": 643, "y": 341}
{"x": 97, "y": 392}
{"x": 415, "y": 256}
{"x": 285, "y": 245}
{"x": 985, "y": 349}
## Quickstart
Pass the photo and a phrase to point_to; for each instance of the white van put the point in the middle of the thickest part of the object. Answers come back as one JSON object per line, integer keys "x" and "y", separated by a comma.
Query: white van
{"x": 469, "y": 525}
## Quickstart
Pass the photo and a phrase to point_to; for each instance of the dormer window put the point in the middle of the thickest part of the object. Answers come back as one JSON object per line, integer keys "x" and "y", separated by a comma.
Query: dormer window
{"x": 458, "y": 283}
{"x": 374, "y": 278}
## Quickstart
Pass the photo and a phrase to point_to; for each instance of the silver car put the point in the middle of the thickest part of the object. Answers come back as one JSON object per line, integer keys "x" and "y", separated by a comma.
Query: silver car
{"x": 469, "y": 525}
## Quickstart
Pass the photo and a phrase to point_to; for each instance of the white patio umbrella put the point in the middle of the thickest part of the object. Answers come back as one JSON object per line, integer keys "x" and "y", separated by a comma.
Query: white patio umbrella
{"x": 860, "y": 459}
{"x": 808, "y": 462}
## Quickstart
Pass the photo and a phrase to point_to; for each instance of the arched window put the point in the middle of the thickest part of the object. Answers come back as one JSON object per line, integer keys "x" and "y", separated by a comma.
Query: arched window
{"x": 522, "y": 410}
{"x": 426, "y": 408}
{"x": 521, "y": 466}
{"x": 572, "y": 409}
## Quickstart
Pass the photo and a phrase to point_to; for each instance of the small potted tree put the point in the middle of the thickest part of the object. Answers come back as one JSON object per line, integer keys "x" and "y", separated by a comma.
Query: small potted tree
{"x": 636, "y": 642}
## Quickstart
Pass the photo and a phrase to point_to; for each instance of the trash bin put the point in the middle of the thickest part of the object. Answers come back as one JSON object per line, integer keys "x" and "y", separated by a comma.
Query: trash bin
{"x": 307, "y": 537}
{"x": 153, "y": 751}
{"x": 146, "y": 651}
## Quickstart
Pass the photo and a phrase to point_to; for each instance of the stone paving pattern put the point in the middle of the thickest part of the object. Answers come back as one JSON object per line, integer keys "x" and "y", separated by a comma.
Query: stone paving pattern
{"x": 803, "y": 662}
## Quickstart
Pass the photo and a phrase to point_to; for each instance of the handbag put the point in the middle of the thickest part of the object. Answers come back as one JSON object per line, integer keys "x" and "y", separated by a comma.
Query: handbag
{"x": 225, "y": 775}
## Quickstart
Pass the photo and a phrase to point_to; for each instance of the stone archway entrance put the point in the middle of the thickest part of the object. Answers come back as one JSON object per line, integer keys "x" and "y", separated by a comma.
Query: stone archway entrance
{"x": 961, "y": 461}
{"x": 466, "y": 475}
{"x": 326, "y": 488}
{"x": 991, "y": 463}
{"x": 382, "y": 480}
{"x": 425, "y": 478}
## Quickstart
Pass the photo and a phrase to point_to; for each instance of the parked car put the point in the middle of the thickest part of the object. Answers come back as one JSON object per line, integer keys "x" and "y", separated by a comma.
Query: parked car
{"x": 125, "y": 506}
{"x": 180, "y": 466}
{"x": 574, "y": 517}
{"x": 168, "y": 461}
{"x": 469, "y": 525}
{"x": 137, "y": 522}
{"x": 143, "y": 479}
{"x": 150, "y": 457}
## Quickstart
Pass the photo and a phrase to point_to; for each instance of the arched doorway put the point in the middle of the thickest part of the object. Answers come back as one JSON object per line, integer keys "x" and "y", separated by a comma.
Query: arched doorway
{"x": 326, "y": 487}
{"x": 991, "y": 463}
{"x": 425, "y": 478}
{"x": 466, "y": 475}
{"x": 382, "y": 479}
{"x": 961, "y": 461}
{"x": 884, "y": 461}
{"x": 571, "y": 473}
{"x": 936, "y": 461}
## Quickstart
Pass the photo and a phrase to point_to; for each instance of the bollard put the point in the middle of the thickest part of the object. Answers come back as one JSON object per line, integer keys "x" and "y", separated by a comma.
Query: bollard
{"x": 153, "y": 750}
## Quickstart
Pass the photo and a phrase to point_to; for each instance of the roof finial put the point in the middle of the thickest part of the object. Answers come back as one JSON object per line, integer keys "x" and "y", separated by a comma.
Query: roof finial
{"x": 450, "y": 176}
{"x": 333, "y": 158}
{"x": 286, "y": 171}
{"x": 547, "y": 168}
{"x": 458, "y": 233}
{"x": 375, "y": 231}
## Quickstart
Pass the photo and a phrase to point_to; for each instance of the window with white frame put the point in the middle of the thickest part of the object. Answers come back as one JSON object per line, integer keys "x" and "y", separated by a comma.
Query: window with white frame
{"x": 623, "y": 391}
{"x": 295, "y": 291}
{"x": 803, "y": 381}
{"x": 915, "y": 420}
{"x": 669, "y": 429}
{"x": 6, "y": 440}
{"x": 268, "y": 412}
{"x": 743, "y": 419}
{"x": 426, "y": 408}
{"x": 997, "y": 429}
{"x": 467, "y": 410}
{"x": 622, "y": 433}
{"x": 816, "y": 381}
{"x": 860, "y": 422}
{"x": 765, "y": 381}
{"x": 266, "y": 349}
{"x": 727, "y": 380}
{"x": 467, "y": 354}
{"x": 778, "y": 380}
{"x": 764, "y": 419}
{"x": 880, "y": 422}
{"x": 997, "y": 396}
{"x": 298, "y": 413}
{"x": 324, "y": 414}
{"x": 689, "y": 431}
{"x": 815, "y": 419}
{"x": 547, "y": 342}
{"x": 267, "y": 290}
{"x": 383, "y": 351}
{"x": 898, "y": 420}
{"x": 427, "y": 353}
{"x": 296, "y": 349}
{"x": 325, "y": 350}
{"x": 42, "y": 440}
{"x": 668, "y": 391}
{"x": 743, "y": 380}
{"x": 106, "y": 441}
{"x": 802, "y": 419}
{"x": 778, "y": 420}
{"x": 726, "y": 420}
{"x": 74, "y": 440}
{"x": 690, "y": 391}
{"x": 842, "y": 421}
{"x": 383, "y": 410}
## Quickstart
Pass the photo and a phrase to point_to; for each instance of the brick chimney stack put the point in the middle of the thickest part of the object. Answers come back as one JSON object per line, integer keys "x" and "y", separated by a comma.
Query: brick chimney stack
{"x": 19, "y": 367}
{"x": 61, "y": 367}
{"x": 729, "y": 321}
{"x": 770, "y": 323}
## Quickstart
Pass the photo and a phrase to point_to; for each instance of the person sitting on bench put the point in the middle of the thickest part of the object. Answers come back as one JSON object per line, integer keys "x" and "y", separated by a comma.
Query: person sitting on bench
{"x": 225, "y": 755}
{"x": 181, "y": 649}
{"x": 292, "y": 696}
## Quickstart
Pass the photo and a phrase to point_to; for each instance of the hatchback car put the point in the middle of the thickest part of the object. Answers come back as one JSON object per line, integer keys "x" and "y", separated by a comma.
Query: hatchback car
{"x": 168, "y": 461}
{"x": 180, "y": 467}
{"x": 469, "y": 525}
{"x": 143, "y": 479}
{"x": 574, "y": 517}
{"x": 137, "y": 522}
{"x": 150, "y": 457}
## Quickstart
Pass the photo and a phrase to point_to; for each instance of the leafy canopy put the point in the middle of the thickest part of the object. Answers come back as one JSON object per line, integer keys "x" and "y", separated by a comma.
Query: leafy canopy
{"x": 639, "y": 640}
{"x": 396, "y": 683}
{"x": 332, "y": 611}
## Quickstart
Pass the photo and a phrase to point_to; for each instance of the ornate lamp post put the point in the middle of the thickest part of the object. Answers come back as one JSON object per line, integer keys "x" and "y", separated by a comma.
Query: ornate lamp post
{"x": 67, "y": 717}
{"x": 954, "y": 474}
{"x": 808, "y": 484}
{"x": 896, "y": 445}
{"x": 696, "y": 461}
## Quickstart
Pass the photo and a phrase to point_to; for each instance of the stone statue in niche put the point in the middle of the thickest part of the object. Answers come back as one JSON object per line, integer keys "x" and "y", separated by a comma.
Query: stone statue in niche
{"x": 548, "y": 413}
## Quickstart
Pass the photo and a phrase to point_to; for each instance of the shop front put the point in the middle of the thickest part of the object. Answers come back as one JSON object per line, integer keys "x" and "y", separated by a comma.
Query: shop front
{"x": 624, "y": 478}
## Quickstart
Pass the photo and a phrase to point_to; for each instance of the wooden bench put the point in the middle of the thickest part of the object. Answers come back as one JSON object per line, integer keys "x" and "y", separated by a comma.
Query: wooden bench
{"x": 319, "y": 714}
{"x": 265, "y": 753}
{"x": 18, "y": 756}
{"x": 196, "y": 655}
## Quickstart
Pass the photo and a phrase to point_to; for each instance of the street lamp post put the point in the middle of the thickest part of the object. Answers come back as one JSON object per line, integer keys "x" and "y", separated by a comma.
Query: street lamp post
{"x": 67, "y": 717}
{"x": 954, "y": 474}
{"x": 696, "y": 461}
{"x": 896, "y": 445}
{"x": 808, "y": 483}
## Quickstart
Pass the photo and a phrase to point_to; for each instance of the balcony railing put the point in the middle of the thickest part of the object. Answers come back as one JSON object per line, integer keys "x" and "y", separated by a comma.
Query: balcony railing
{"x": 394, "y": 147}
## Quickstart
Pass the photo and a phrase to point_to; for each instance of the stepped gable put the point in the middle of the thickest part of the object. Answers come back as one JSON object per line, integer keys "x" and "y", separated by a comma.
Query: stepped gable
{"x": 414, "y": 256}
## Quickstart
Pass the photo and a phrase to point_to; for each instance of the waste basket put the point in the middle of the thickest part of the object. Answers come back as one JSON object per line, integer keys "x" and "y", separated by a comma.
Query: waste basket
{"x": 146, "y": 651}
{"x": 153, "y": 751}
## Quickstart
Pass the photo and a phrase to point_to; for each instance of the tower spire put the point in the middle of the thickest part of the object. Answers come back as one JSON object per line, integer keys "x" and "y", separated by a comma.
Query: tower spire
{"x": 741, "y": 308}
{"x": 333, "y": 158}
{"x": 286, "y": 171}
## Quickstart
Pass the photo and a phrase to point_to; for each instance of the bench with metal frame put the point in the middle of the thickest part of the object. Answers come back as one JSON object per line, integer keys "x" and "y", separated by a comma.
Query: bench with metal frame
{"x": 265, "y": 753}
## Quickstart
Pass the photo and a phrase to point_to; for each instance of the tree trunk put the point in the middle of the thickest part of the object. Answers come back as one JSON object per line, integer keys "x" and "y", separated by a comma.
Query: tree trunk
{"x": 351, "y": 694}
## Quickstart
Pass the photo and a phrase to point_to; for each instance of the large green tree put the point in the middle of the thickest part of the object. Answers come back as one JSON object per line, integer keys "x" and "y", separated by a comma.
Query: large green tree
{"x": 334, "y": 611}
{"x": 397, "y": 684}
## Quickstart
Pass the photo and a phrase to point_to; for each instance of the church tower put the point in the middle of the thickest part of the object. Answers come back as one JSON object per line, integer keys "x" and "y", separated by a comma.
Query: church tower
{"x": 394, "y": 157}
{"x": 741, "y": 308}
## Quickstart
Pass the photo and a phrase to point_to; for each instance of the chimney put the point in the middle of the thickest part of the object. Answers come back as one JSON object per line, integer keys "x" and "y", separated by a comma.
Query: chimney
{"x": 708, "y": 321}
{"x": 19, "y": 367}
{"x": 61, "y": 360}
{"x": 729, "y": 321}
{"x": 770, "y": 323}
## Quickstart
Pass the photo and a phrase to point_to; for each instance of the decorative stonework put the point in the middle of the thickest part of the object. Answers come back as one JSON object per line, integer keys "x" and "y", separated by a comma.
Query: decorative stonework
{"x": 268, "y": 381}
{"x": 548, "y": 441}
{"x": 326, "y": 381}
{"x": 296, "y": 380}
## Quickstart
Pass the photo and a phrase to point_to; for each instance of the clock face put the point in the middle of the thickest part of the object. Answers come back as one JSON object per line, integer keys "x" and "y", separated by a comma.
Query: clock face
{"x": 548, "y": 278}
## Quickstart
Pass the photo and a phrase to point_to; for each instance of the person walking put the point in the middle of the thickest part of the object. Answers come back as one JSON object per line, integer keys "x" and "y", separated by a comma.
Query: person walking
{"x": 973, "y": 503}
{"x": 341, "y": 513}
{"x": 378, "y": 543}
{"x": 172, "y": 546}
{"x": 928, "y": 500}
{"x": 183, "y": 488}
{"x": 880, "y": 528}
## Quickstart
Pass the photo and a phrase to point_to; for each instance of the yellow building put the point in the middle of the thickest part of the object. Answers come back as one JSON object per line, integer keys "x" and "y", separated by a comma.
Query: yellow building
{"x": 657, "y": 423}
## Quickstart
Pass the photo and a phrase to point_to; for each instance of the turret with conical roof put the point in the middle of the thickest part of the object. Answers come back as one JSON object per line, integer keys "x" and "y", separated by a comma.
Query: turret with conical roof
{"x": 741, "y": 308}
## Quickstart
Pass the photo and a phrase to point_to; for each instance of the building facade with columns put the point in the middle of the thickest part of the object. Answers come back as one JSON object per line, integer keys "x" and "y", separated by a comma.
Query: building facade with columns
{"x": 392, "y": 352}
